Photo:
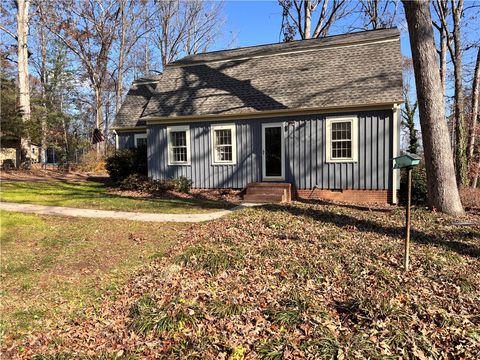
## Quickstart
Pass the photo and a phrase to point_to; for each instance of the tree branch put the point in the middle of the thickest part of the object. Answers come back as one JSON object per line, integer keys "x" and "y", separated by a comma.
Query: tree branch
{"x": 9, "y": 32}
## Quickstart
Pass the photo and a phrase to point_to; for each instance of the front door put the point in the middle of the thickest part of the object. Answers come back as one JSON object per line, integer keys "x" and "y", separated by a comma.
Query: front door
{"x": 273, "y": 151}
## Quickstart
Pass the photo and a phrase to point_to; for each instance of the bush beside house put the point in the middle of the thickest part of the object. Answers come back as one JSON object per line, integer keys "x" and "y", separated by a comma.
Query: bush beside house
{"x": 128, "y": 168}
{"x": 126, "y": 162}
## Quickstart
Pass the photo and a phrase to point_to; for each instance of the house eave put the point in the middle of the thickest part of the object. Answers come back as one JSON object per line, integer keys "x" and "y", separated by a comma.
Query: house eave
{"x": 129, "y": 129}
{"x": 272, "y": 113}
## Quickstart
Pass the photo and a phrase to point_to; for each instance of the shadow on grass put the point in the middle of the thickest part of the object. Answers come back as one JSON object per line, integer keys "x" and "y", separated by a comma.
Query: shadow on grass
{"x": 454, "y": 240}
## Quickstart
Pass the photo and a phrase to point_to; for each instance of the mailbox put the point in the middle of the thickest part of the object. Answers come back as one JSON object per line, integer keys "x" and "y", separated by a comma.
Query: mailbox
{"x": 406, "y": 160}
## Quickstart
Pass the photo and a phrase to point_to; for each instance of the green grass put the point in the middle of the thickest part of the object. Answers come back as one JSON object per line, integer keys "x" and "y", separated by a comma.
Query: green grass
{"x": 147, "y": 316}
{"x": 94, "y": 195}
{"x": 213, "y": 260}
{"x": 53, "y": 268}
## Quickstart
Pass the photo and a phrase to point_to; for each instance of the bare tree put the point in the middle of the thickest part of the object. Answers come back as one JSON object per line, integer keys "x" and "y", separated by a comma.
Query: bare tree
{"x": 378, "y": 14}
{"x": 133, "y": 26}
{"x": 475, "y": 120}
{"x": 43, "y": 80}
{"x": 88, "y": 29}
{"x": 454, "y": 45}
{"x": 298, "y": 14}
{"x": 477, "y": 173}
{"x": 124, "y": 20}
{"x": 40, "y": 65}
{"x": 442, "y": 188}
{"x": 409, "y": 107}
{"x": 185, "y": 27}
{"x": 204, "y": 27}
{"x": 21, "y": 38}
{"x": 441, "y": 9}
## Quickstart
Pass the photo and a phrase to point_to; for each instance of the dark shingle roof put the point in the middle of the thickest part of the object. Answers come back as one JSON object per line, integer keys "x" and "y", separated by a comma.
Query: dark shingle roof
{"x": 345, "y": 70}
{"x": 136, "y": 100}
{"x": 298, "y": 45}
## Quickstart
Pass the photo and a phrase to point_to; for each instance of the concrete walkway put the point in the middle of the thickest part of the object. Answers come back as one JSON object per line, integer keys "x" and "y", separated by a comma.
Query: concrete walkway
{"x": 124, "y": 215}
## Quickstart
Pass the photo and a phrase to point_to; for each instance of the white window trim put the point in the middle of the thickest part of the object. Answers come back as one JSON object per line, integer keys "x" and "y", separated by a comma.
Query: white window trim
{"x": 328, "y": 139}
{"x": 138, "y": 136}
{"x": 170, "y": 129}
{"x": 232, "y": 128}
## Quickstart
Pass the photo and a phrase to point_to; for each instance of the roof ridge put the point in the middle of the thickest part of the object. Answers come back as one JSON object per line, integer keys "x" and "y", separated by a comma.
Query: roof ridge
{"x": 283, "y": 47}
{"x": 144, "y": 80}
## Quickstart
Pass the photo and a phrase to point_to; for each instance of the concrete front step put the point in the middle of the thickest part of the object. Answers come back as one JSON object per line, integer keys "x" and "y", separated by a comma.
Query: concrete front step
{"x": 265, "y": 191}
{"x": 268, "y": 192}
{"x": 256, "y": 198}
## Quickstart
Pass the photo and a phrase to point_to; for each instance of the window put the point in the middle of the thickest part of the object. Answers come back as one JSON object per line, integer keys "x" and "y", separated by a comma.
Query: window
{"x": 178, "y": 145}
{"x": 224, "y": 144}
{"x": 140, "y": 140}
{"x": 341, "y": 139}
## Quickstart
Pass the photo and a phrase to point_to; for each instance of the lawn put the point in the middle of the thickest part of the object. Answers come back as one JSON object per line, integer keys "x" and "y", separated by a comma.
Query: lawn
{"x": 95, "y": 195}
{"x": 298, "y": 281}
{"x": 53, "y": 268}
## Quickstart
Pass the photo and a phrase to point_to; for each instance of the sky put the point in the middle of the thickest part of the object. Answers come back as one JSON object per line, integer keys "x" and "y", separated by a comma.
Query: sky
{"x": 258, "y": 22}
{"x": 252, "y": 22}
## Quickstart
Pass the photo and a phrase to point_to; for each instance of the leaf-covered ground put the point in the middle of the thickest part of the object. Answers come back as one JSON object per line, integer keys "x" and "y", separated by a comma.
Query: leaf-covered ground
{"x": 299, "y": 281}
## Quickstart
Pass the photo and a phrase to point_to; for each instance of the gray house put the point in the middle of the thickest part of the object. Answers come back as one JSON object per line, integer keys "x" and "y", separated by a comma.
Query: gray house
{"x": 313, "y": 118}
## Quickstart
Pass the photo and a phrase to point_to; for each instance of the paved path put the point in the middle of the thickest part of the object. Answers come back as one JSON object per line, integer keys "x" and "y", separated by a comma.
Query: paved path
{"x": 108, "y": 214}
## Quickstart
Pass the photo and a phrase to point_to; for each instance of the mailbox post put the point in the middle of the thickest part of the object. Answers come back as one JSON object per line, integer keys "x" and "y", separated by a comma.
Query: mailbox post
{"x": 408, "y": 162}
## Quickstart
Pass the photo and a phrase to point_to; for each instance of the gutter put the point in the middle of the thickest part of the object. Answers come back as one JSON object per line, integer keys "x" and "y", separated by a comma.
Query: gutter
{"x": 266, "y": 114}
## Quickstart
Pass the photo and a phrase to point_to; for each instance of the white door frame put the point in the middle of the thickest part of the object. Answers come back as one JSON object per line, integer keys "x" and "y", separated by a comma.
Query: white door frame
{"x": 281, "y": 125}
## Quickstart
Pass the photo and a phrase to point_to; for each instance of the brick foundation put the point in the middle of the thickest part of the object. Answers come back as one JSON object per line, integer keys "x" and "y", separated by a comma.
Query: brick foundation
{"x": 350, "y": 196}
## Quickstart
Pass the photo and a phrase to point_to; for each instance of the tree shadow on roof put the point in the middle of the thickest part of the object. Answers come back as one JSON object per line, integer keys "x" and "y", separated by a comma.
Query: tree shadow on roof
{"x": 193, "y": 93}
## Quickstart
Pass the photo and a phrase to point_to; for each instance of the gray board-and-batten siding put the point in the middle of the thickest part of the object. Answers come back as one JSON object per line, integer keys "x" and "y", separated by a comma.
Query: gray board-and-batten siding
{"x": 305, "y": 159}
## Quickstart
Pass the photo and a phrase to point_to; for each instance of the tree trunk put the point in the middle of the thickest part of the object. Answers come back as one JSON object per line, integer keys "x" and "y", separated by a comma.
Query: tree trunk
{"x": 443, "y": 57}
{"x": 146, "y": 69}
{"x": 442, "y": 188}
{"x": 477, "y": 173}
{"x": 43, "y": 79}
{"x": 65, "y": 136}
{"x": 475, "y": 94}
{"x": 121, "y": 58}
{"x": 460, "y": 133}
{"x": 307, "y": 20}
{"x": 99, "y": 115}
{"x": 475, "y": 116}
{"x": 23, "y": 75}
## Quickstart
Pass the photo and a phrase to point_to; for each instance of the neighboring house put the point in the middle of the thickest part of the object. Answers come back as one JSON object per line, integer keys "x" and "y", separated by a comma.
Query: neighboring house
{"x": 10, "y": 151}
{"x": 321, "y": 115}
